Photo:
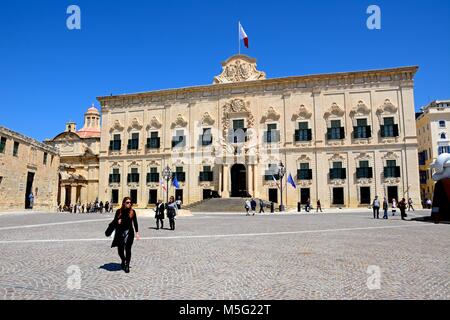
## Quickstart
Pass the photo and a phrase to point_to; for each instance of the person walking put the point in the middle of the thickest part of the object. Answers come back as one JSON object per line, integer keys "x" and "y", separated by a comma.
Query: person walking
{"x": 319, "y": 206}
{"x": 172, "y": 210}
{"x": 31, "y": 199}
{"x": 429, "y": 202}
{"x": 126, "y": 224}
{"x": 394, "y": 206}
{"x": 402, "y": 207}
{"x": 247, "y": 206}
{"x": 159, "y": 214}
{"x": 410, "y": 205}
{"x": 253, "y": 206}
{"x": 261, "y": 206}
{"x": 385, "y": 208}
{"x": 106, "y": 206}
{"x": 308, "y": 205}
{"x": 178, "y": 202}
{"x": 101, "y": 207}
{"x": 376, "y": 208}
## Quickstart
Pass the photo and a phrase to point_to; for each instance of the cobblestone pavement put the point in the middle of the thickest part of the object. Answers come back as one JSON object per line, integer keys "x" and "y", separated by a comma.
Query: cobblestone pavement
{"x": 314, "y": 256}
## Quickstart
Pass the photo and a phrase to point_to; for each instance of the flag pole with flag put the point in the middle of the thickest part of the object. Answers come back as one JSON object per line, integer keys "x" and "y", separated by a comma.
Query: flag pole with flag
{"x": 175, "y": 182}
{"x": 242, "y": 36}
{"x": 291, "y": 181}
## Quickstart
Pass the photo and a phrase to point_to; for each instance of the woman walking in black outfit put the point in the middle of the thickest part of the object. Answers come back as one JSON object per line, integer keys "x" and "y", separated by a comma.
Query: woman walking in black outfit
{"x": 159, "y": 214}
{"x": 172, "y": 212}
{"x": 124, "y": 220}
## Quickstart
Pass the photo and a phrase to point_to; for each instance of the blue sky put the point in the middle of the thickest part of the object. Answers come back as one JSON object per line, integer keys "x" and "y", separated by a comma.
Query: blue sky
{"x": 50, "y": 75}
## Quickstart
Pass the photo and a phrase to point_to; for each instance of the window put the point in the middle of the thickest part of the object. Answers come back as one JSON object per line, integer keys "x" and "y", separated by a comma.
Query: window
{"x": 389, "y": 129}
{"x": 239, "y": 132}
{"x": 16, "y": 149}
{"x": 238, "y": 124}
{"x": 134, "y": 175}
{"x": 115, "y": 143}
{"x": 133, "y": 143}
{"x": 206, "y": 137}
{"x": 303, "y": 133}
{"x": 179, "y": 139}
{"x": 272, "y": 134}
{"x": 391, "y": 170}
{"x": 304, "y": 173}
{"x": 206, "y": 174}
{"x": 442, "y": 124}
{"x": 153, "y": 142}
{"x": 179, "y": 174}
{"x": 271, "y": 172}
{"x": 45, "y": 158}
{"x": 336, "y": 131}
{"x": 362, "y": 130}
{"x": 364, "y": 171}
{"x": 443, "y": 136}
{"x": 337, "y": 165}
{"x": 443, "y": 149}
{"x": 337, "y": 172}
{"x": 153, "y": 175}
{"x": 2, "y": 144}
{"x": 115, "y": 176}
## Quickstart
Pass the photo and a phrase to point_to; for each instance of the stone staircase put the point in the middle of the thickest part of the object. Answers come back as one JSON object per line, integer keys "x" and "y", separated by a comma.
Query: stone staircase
{"x": 218, "y": 205}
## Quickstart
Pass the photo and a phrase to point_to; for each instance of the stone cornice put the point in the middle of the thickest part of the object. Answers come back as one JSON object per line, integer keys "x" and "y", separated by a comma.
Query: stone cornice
{"x": 402, "y": 75}
{"x": 27, "y": 140}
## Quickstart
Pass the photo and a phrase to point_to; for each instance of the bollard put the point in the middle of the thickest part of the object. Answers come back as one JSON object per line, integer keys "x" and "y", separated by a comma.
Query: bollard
{"x": 272, "y": 207}
{"x": 299, "y": 207}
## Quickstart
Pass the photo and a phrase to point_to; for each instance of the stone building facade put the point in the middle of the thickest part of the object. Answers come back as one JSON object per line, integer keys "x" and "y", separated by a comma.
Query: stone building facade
{"x": 79, "y": 151}
{"x": 343, "y": 137}
{"x": 27, "y": 166}
{"x": 433, "y": 132}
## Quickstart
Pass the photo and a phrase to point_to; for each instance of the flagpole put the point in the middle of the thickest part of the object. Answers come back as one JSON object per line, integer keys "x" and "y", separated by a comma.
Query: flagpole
{"x": 239, "y": 36}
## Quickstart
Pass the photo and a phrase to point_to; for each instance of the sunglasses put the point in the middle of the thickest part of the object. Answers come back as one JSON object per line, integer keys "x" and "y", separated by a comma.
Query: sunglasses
{"x": 128, "y": 202}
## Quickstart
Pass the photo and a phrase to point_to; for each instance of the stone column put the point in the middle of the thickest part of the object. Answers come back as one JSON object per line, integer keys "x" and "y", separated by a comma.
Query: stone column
{"x": 83, "y": 195}
{"x": 73, "y": 196}
{"x": 220, "y": 181}
{"x": 250, "y": 179}
{"x": 226, "y": 188}
{"x": 63, "y": 195}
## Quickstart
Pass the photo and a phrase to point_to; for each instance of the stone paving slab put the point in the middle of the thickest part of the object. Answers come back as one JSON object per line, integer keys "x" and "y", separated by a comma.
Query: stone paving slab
{"x": 227, "y": 257}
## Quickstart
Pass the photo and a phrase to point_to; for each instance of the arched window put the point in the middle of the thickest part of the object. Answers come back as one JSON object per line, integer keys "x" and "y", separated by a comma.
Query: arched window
{"x": 443, "y": 136}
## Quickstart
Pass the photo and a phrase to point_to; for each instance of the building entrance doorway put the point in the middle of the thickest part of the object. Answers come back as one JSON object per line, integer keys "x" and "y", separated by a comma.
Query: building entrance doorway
{"x": 29, "y": 189}
{"x": 239, "y": 180}
{"x": 392, "y": 192}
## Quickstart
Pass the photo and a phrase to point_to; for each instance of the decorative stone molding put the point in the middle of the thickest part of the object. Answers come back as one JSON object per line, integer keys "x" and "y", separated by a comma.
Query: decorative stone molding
{"x": 239, "y": 68}
{"x": 336, "y": 157}
{"x": 135, "y": 125}
{"x": 361, "y": 109}
{"x": 179, "y": 122}
{"x": 154, "y": 124}
{"x": 386, "y": 109}
{"x": 391, "y": 181}
{"x": 335, "y": 110}
{"x": 271, "y": 114}
{"x": 390, "y": 156}
{"x": 303, "y": 158}
{"x": 153, "y": 163}
{"x": 303, "y": 113}
{"x": 207, "y": 120}
{"x": 362, "y": 156}
{"x": 117, "y": 126}
{"x": 235, "y": 108}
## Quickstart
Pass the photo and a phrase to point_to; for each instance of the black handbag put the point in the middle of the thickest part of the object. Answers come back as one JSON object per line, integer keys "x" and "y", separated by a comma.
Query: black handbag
{"x": 110, "y": 229}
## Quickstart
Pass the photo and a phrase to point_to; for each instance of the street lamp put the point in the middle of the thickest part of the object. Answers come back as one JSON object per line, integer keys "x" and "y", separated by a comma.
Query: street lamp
{"x": 281, "y": 173}
{"x": 167, "y": 174}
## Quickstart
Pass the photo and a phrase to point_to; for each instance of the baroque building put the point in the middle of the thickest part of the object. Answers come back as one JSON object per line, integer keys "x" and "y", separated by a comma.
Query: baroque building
{"x": 79, "y": 151}
{"x": 433, "y": 124}
{"x": 344, "y": 138}
{"x": 27, "y": 166}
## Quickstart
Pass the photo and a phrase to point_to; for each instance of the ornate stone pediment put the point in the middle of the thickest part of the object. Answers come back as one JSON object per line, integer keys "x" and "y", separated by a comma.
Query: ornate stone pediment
{"x": 387, "y": 107}
{"x": 271, "y": 114}
{"x": 154, "y": 163}
{"x": 360, "y": 109}
{"x": 239, "y": 68}
{"x": 362, "y": 156}
{"x": 337, "y": 157}
{"x": 117, "y": 126}
{"x": 135, "y": 124}
{"x": 303, "y": 158}
{"x": 390, "y": 156}
{"x": 237, "y": 107}
{"x": 207, "y": 120}
{"x": 303, "y": 113}
{"x": 334, "y": 110}
{"x": 179, "y": 122}
{"x": 154, "y": 124}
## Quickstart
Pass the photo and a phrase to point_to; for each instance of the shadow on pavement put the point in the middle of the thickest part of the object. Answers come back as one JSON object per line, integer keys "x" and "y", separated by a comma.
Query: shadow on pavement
{"x": 111, "y": 267}
{"x": 428, "y": 219}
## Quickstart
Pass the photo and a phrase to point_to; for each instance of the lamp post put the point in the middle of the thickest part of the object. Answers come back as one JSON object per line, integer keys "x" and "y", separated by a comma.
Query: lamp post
{"x": 281, "y": 173}
{"x": 167, "y": 174}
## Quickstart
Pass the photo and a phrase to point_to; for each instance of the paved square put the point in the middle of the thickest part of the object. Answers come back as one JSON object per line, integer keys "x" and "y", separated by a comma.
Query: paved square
{"x": 299, "y": 256}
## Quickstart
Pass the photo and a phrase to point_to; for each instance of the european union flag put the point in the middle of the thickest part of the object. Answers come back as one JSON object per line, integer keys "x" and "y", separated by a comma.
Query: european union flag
{"x": 175, "y": 182}
{"x": 291, "y": 181}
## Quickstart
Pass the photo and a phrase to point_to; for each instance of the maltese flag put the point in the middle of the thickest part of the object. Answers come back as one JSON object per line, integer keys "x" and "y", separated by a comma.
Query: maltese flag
{"x": 161, "y": 182}
{"x": 243, "y": 35}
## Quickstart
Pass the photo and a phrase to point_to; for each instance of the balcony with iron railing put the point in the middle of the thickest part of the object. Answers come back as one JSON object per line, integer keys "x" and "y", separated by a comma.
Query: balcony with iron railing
{"x": 304, "y": 174}
{"x": 153, "y": 143}
{"x": 338, "y": 173}
{"x": 206, "y": 176}
{"x": 365, "y": 172}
